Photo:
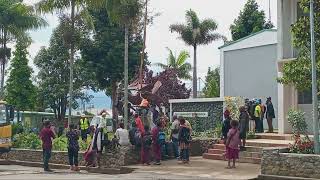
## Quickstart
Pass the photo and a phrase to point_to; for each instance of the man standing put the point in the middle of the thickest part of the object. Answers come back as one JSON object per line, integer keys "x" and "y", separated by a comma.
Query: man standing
{"x": 270, "y": 114}
{"x": 257, "y": 117}
{"x": 46, "y": 136}
{"x": 84, "y": 127}
{"x": 175, "y": 135}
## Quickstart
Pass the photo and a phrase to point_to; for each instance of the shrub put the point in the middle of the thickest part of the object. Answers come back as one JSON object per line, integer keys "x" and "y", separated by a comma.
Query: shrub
{"x": 217, "y": 132}
{"x": 17, "y": 128}
{"x": 302, "y": 145}
{"x": 60, "y": 143}
{"x": 26, "y": 141}
{"x": 233, "y": 104}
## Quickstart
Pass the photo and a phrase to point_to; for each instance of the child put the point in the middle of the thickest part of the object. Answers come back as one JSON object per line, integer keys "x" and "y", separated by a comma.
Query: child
{"x": 184, "y": 140}
{"x": 243, "y": 126}
{"x": 232, "y": 144}
{"x": 73, "y": 147}
{"x": 146, "y": 146}
{"x": 46, "y": 135}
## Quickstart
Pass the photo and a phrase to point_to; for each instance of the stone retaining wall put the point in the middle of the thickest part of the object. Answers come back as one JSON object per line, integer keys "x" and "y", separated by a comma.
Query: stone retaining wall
{"x": 121, "y": 157}
{"x": 278, "y": 162}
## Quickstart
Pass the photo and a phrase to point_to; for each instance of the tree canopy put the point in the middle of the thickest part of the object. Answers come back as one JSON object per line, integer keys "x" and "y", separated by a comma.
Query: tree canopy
{"x": 179, "y": 64}
{"x": 20, "y": 91}
{"x": 212, "y": 84}
{"x": 53, "y": 76}
{"x": 194, "y": 33}
{"x": 250, "y": 20}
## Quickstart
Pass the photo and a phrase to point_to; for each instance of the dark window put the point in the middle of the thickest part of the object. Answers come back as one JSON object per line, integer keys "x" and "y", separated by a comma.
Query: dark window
{"x": 305, "y": 97}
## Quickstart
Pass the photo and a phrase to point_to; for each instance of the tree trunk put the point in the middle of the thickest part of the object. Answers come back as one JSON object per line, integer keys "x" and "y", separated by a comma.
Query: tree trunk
{"x": 114, "y": 108}
{"x": 126, "y": 78}
{"x": 194, "y": 80}
{"x": 3, "y": 65}
{"x": 71, "y": 61}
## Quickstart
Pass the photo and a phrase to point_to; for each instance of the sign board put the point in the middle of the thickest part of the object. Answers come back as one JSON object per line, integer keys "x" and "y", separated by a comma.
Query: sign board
{"x": 191, "y": 114}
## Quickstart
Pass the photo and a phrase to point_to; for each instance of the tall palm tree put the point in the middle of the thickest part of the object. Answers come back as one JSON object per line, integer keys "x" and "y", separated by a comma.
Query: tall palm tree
{"x": 77, "y": 9}
{"x": 126, "y": 13}
{"x": 196, "y": 33}
{"x": 15, "y": 19}
{"x": 178, "y": 63}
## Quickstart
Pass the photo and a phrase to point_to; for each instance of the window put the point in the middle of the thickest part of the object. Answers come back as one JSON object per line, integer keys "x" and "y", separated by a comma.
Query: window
{"x": 305, "y": 97}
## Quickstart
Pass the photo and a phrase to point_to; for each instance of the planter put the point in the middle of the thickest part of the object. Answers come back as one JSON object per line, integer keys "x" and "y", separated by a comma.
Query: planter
{"x": 277, "y": 161}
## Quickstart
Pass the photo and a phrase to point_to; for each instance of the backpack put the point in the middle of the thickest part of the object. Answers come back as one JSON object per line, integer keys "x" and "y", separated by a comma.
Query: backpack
{"x": 161, "y": 138}
{"x": 137, "y": 138}
{"x": 147, "y": 140}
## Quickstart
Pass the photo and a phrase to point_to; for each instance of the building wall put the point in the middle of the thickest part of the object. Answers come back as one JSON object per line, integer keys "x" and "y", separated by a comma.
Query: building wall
{"x": 252, "y": 73}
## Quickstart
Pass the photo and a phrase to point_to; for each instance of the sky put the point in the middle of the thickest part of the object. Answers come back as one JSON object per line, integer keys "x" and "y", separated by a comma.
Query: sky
{"x": 173, "y": 11}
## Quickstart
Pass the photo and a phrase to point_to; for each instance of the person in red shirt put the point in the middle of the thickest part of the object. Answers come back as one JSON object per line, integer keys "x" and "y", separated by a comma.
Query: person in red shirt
{"x": 46, "y": 136}
{"x": 139, "y": 123}
{"x": 155, "y": 143}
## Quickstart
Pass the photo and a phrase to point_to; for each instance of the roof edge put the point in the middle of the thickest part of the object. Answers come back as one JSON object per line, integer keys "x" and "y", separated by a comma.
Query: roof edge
{"x": 241, "y": 39}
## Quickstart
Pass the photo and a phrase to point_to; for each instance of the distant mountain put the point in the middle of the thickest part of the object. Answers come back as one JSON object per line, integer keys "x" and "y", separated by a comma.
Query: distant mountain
{"x": 99, "y": 101}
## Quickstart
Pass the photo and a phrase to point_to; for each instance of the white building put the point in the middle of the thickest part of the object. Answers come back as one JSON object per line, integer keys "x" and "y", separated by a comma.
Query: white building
{"x": 288, "y": 13}
{"x": 267, "y": 50}
{"x": 248, "y": 67}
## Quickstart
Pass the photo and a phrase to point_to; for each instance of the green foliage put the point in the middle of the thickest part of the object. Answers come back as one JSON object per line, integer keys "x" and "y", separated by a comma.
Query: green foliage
{"x": 204, "y": 134}
{"x": 53, "y": 76}
{"x": 178, "y": 63}
{"x": 212, "y": 85}
{"x": 102, "y": 55}
{"x": 298, "y": 123}
{"x": 250, "y": 20}
{"x": 194, "y": 33}
{"x": 218, "y": 130}
{"x": 298, "y": 72}
{"x": 233, "y": 104}
{"x": 17, "y": 128}
{"x": 60, "y": 143}
{"x": 302, "y": 143}
{"x": 20, "y": 91}
{"x": 26, "y": 141}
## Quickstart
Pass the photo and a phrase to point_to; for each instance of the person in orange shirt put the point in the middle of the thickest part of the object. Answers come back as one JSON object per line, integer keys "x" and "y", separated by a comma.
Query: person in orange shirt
{"x": 139, "y": 123}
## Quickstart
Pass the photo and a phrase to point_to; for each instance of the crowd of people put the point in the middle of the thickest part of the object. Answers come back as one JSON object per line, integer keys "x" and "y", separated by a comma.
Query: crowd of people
{"x": 234, "y": 133}
{"x": 149, "y": 138}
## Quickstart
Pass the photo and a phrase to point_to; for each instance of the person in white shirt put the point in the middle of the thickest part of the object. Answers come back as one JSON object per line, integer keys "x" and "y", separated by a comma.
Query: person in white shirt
{"x": 122, "y": 135}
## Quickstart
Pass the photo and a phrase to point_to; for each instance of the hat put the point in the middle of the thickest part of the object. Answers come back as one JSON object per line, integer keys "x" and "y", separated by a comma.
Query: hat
{"x": 104, "y": 113}
{"x": 269, "y": 98}
{"x": 83, "y": 115}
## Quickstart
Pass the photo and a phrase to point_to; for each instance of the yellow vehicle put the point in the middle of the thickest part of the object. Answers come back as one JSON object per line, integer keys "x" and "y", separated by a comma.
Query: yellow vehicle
{"x": 6, "y": 116}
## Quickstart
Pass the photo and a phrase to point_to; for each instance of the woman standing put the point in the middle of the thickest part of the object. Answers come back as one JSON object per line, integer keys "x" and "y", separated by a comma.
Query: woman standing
{"x": 184, "y": 141}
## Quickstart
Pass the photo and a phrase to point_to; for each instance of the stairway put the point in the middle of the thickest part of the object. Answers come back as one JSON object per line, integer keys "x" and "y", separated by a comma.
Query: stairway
{"x": 253, "y": 153}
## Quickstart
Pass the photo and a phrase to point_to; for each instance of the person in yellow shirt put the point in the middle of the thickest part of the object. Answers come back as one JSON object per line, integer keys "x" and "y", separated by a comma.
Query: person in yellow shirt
{"x": 257, "y": 117}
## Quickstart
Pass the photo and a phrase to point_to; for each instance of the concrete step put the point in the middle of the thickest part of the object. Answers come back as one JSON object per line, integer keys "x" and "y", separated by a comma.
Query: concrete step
{"x": 248, "y": 148}
{"x": 242, "y": 153}
{"x": 241, "y": 160}
{"x": 274, "y": 136}
{"x": 265, "y": 143}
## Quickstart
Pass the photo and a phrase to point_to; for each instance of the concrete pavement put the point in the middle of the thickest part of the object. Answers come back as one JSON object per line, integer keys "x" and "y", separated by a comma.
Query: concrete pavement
{"x": 198, "y": 169}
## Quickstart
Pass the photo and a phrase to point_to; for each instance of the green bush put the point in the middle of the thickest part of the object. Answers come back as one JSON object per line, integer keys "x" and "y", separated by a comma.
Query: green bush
{"x": 26, "y": 141}
{"x": 60, "y": 143}
{"x": 17, "y": 128}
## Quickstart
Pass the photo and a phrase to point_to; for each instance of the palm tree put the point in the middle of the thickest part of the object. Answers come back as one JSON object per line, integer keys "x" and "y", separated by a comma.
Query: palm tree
{"x": 47, "y": 6}
{"x": 196, "y": 33}
{"x": 126, "y": 13}
{"x": 15, "y": 19}
{"x": 179, "y": 64}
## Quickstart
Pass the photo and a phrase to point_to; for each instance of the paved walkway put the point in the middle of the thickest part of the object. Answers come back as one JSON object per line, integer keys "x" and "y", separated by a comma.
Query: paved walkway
{"x": 198, "y": 169}
{"x": 203, "y": 168}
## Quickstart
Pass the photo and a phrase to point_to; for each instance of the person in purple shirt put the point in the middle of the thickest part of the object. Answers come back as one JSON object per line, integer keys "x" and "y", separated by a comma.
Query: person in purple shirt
{"x": 46, "y": 135}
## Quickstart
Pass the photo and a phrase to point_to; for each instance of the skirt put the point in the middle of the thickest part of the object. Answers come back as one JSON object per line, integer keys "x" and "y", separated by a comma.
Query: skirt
{"x": 232, "y": 153}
